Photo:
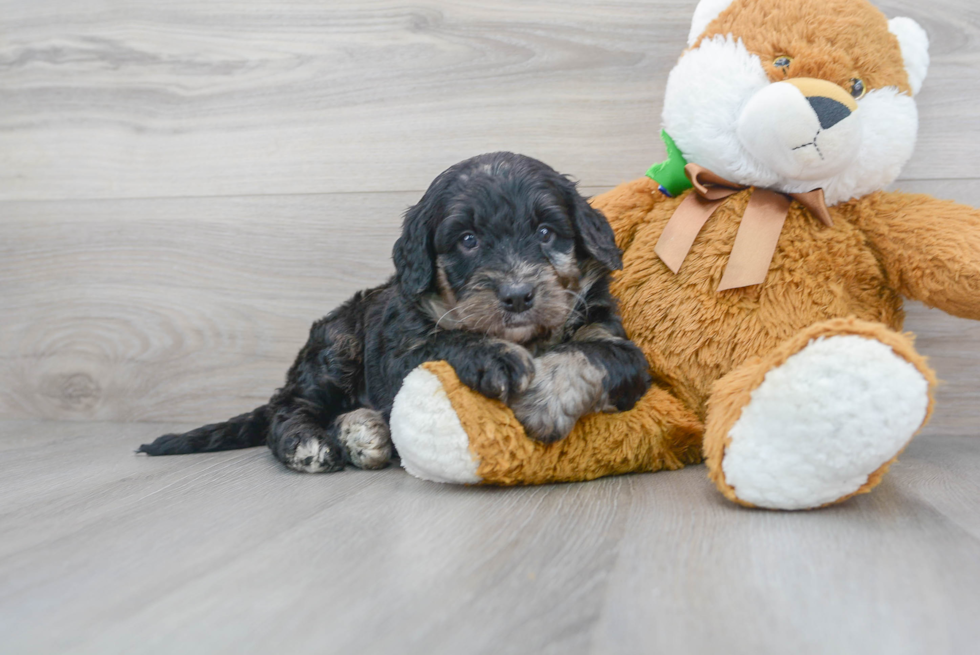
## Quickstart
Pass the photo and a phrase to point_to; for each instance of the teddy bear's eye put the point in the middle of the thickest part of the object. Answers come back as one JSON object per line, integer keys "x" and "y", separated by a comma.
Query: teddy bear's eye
{"x": 782, "y": 62}
{"x": 857, "y": 88}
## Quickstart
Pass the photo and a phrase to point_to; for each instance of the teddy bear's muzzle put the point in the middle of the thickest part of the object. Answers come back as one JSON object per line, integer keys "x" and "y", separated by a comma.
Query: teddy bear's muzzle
{"x": 802, "y": 128}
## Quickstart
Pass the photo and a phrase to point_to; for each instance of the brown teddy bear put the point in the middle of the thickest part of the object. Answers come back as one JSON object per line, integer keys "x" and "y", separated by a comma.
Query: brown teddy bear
{"x": 764, "y": 271}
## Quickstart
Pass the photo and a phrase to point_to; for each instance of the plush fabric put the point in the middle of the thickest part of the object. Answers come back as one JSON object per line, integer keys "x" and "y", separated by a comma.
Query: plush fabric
{"x": 750, "y": 363}
{"x": 836, "y": 41}
{"x": 659, "y": 433}
{"x": 733, "y": 393}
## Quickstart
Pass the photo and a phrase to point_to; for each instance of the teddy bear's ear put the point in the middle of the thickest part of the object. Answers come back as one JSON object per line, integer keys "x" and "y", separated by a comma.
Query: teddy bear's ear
{"x": 915, "y": 49}
{"x": 704, "y": 13}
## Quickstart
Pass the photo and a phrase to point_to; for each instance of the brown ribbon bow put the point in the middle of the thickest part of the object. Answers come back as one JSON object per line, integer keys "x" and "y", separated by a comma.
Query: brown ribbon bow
{"x": 755, "y": 242}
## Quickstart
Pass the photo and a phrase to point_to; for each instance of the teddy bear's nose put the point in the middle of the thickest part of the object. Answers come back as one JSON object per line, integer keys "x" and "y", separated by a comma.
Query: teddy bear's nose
{"x": 830, "y": 102}
{"x": 829, "y": 111}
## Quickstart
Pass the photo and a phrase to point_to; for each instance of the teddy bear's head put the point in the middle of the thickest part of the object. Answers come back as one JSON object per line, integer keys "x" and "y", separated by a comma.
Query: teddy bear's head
{"x": 793, "y": 95}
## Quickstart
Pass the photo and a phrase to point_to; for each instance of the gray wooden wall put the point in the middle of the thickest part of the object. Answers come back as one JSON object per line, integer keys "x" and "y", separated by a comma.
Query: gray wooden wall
{"x": 185, "y": 186}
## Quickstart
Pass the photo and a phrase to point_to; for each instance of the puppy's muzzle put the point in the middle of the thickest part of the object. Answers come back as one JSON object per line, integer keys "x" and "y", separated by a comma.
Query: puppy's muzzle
{"x": 516, "y": 298}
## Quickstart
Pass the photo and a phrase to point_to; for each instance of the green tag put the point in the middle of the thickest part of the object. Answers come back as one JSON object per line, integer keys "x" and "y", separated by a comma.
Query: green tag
{"x": 670, "y": 174}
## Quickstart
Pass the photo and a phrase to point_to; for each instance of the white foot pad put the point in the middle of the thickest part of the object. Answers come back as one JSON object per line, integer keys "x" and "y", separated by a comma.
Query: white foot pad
{"x": 427, "y": 433}
{"x": 821, "y": 423}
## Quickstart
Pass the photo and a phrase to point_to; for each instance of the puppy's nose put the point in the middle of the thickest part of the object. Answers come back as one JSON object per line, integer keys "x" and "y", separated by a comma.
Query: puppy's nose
{"x": 516, "y": 297}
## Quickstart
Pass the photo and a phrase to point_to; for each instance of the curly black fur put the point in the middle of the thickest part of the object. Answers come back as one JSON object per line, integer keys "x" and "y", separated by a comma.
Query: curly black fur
{"x": 502, "y": 270}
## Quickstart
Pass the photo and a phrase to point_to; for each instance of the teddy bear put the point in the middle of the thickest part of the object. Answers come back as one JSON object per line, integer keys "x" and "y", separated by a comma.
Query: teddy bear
{"x": 764, "y": 267}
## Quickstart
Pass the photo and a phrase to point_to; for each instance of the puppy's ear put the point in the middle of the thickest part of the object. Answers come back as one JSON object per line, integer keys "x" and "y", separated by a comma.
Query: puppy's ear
{"x": 594, "y": 231}
{"x": 414, "y": 251}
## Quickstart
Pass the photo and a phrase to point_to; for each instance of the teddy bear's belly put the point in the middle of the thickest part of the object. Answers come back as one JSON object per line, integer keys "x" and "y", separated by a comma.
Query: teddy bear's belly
{"x": 693, "y": 335}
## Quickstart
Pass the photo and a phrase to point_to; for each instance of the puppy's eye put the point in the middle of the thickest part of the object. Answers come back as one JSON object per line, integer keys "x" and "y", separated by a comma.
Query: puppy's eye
{"x": 469, "y": 241}
{"x": 782, "y": 62}
{"x": 857, "y": 87}
{"x": 546, "y": 234}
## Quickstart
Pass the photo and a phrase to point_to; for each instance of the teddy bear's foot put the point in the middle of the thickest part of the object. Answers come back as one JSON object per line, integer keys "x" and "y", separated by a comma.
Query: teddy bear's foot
{"x": 427, "y": 433}
{"x": 446, "y": 432}
{"x": 818, "y": 420}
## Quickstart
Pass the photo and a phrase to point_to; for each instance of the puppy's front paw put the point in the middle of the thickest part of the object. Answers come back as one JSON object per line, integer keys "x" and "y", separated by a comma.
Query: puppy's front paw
{"x": 310, "y": 451}
{"x": 566, "y": 387}
{"x": 544, "y": 420}
{"x": 499, "y": 369}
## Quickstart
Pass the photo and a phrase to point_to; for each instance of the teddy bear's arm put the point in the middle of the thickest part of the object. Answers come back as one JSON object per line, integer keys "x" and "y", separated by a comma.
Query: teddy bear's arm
{"x": 930, "y": 248}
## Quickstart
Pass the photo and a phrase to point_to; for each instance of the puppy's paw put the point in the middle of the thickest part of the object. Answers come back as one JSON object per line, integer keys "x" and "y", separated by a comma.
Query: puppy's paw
{"x": 566, "y": 386}
{"x": 310, "y": 451}
{"x": 365, "y": 436}
{"x": 544, "y": 420}
{"x": 499, "y": 369}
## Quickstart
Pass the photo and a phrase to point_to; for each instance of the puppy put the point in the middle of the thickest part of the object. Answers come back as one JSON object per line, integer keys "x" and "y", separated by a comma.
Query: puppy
{"x": 502, "y": 269}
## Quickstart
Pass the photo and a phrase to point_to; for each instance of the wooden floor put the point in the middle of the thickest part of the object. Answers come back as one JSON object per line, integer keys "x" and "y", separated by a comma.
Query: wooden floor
{"x": 107, "y": 552}
{"x": 185, "y": 186}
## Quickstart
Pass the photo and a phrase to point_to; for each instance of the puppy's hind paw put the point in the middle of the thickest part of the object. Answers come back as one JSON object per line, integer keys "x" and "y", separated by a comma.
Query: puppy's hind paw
{"x": 311, "y": 453}
{"x": 364, "y": 434}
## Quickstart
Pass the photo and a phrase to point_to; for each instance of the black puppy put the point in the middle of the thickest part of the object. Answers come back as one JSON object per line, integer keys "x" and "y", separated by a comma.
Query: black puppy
{"x": 502, "y": 269}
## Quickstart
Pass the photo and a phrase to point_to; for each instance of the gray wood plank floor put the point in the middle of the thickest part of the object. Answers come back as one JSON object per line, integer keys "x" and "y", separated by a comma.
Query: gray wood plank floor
{"x": 107, "y": 552}
{"x": 192, "y": 309}
{"x": 149, "y": 99}
{"x": 185, "y": 186}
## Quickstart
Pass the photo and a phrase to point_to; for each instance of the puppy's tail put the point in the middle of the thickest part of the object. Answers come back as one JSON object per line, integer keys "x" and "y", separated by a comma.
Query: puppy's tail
{"x": 243, "y": 431}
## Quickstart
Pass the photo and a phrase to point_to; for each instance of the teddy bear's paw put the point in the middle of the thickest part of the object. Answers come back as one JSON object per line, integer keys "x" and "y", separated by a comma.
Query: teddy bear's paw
{"x": 823, "y": 422}
{"x": 426, "y": 430}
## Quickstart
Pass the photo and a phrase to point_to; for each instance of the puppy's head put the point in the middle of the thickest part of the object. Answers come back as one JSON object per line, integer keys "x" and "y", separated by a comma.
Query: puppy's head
{"x": 504, "y": 245}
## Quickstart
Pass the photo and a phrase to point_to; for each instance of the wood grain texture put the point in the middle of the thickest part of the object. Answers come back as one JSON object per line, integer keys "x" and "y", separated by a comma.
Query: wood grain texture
{"x": 113, "y": 309}
{"x": 185, "y": 186}
{"x": 107, "y": 552}
{"x": 192, "y": 309}
{"x": 150, "y": 99}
